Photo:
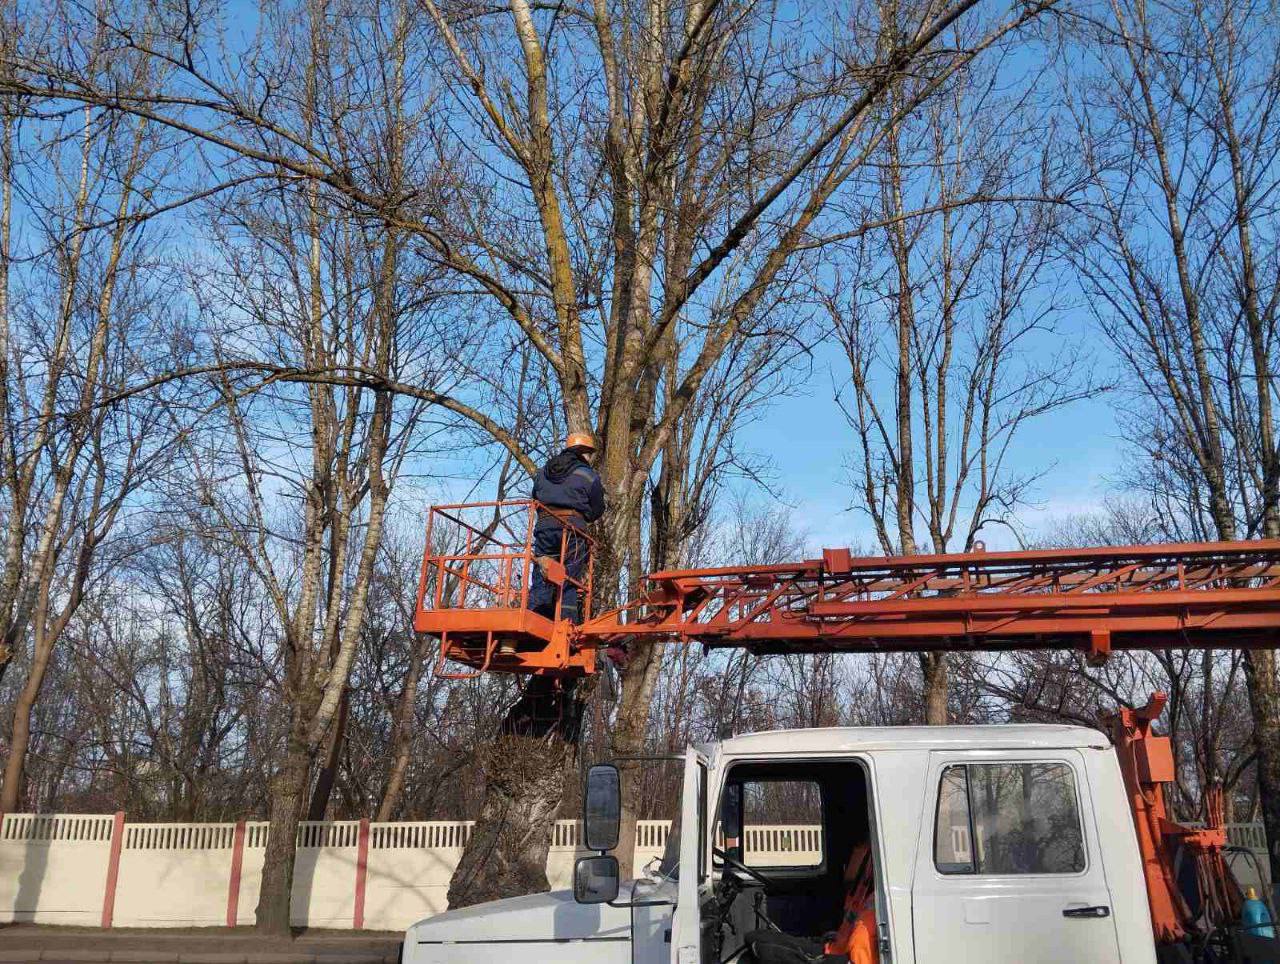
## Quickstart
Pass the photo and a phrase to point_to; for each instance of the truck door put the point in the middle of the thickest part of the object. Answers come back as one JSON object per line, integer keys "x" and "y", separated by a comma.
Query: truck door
{"x": 1008, "y": 868}
{"x": 652, "y": 907}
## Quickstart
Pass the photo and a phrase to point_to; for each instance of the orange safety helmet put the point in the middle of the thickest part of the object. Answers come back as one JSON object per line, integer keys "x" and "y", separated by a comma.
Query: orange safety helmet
{"x": 580, "y": 440}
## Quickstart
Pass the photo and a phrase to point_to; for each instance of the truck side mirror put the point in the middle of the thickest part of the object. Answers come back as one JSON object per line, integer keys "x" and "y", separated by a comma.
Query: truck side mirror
{"x": 595, "y": 879}
{"x": 603, "y": 808}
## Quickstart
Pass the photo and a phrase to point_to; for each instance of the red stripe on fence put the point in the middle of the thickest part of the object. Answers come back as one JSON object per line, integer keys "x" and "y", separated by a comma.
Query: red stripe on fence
{"x": 362, "y": 873}
{"x": 113, "y": 869}
{"x": 237, "y": 863}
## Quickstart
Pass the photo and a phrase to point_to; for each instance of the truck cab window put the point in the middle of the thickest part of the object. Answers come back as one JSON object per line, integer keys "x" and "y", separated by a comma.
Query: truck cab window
{"x": 779, "y": 822}
{"x": 1008, "y": 818}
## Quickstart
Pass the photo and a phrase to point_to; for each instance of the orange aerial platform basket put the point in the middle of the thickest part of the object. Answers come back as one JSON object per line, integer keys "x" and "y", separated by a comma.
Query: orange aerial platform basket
{"x": 473, "y": 593}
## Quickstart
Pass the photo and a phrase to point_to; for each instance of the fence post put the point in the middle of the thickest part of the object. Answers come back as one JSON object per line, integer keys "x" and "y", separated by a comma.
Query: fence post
{"x": 362, "y": 873}
{"x": 237, "y": 863}
{"x": 113, "y": 869}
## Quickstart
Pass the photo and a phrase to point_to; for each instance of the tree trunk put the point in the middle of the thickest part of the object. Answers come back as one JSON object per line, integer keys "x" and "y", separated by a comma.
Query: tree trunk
{"x": 524, "y": 772}
{"x": 23, "y": 707}
{"x": 402, "y": 733}
{"x": 507, "y": 853}
{"x": 329, "y": 769}
{"x": 639, "y": 678}
{"x": 1264, "y": 704}
{"x": 933, "y": 667}
{"x": 14, "y": 768}
{"x": 394, "y": 789}
{"x": 287, "y": 792}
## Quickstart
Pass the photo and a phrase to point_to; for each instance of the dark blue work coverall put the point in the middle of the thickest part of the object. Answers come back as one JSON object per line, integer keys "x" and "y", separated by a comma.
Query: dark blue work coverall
{"x": 573, "y": 488}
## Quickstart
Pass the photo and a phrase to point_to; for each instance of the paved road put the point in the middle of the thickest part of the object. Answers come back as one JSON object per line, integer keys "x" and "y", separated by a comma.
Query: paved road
{"x": 63, "y": 958}
{"x": 207, "y": 945}
{"x": 60, "y": 958}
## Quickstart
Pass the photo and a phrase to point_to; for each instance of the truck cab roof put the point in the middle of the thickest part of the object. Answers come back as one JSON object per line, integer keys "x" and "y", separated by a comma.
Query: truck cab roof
{"x": 854, "y": 739}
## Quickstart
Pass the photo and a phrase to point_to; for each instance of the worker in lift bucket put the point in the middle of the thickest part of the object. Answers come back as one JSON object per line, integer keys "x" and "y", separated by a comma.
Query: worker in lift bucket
{"x": 570, "y": 495}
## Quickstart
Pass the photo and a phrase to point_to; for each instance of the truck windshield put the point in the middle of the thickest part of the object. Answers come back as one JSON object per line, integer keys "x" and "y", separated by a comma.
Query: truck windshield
{"x": 669, "y": 865}
{"x": 655, "y": 784}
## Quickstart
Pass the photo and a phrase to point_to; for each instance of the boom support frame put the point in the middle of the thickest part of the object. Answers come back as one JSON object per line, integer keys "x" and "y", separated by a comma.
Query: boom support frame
{"x": 1181, "y": 596}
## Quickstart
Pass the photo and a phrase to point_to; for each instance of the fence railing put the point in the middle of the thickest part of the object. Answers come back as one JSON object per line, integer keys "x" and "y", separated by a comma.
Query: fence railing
{"x": 102, "y": 870}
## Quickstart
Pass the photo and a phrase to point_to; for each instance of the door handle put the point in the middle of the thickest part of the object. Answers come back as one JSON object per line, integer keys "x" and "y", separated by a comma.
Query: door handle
{"x": 1097, "y": 911}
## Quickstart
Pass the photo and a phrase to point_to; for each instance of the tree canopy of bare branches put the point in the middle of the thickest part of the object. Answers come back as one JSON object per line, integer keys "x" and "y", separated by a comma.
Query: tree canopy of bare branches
{"x": 268, "y": 285}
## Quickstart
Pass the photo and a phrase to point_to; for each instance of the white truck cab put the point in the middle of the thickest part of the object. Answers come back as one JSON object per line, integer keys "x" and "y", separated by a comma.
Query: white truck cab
{"x": 994, "y": 844}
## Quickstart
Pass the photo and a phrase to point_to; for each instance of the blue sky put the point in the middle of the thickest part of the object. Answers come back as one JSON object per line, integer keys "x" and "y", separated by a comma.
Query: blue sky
{"x": 809, "y": 442}
{"x": 1078, "y": 447}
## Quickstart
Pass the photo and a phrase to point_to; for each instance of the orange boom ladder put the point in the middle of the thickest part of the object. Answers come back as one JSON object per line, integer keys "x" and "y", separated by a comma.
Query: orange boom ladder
{"x": 478, "y": 565}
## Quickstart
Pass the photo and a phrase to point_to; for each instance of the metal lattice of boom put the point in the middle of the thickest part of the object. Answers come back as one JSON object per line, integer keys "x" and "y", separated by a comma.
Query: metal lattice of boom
{"x": 1189, "y": 595}
{"x": 1182, "y": 595}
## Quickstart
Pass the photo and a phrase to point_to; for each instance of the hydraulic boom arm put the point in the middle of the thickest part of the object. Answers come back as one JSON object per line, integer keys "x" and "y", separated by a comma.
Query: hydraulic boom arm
{"x": 474, "y": 596}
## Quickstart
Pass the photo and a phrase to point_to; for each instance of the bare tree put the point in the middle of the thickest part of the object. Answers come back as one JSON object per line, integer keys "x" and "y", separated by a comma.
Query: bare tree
{"x": 1178, "y": 143}
{"x": 630, "y": 246}
{"x": 341, "y": 301}
{"x": 70, "y": 338}
{"x": 941, "y": 332}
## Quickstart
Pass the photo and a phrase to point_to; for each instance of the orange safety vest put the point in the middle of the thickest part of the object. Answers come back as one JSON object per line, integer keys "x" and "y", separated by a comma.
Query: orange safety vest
{"x": 856, "y": 936}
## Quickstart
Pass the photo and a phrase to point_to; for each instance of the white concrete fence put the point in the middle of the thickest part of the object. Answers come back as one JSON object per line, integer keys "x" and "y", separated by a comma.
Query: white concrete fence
{"x": 102, "y": 870}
